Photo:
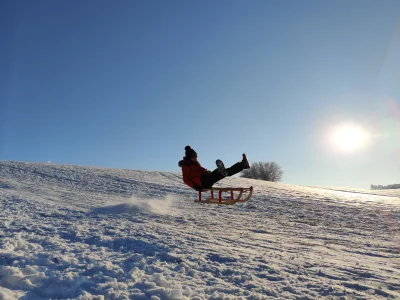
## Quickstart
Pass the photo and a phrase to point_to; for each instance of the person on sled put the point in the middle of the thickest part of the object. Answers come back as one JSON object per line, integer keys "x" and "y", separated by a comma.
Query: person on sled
{"x": 199, "y": 178}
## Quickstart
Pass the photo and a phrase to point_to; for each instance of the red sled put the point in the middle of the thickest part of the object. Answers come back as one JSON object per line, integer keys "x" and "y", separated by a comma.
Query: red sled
{"x": 242, "y": 195}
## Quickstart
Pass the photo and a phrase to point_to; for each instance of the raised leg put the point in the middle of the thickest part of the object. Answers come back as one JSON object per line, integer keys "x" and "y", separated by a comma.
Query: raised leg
{"x": 208, "y": 179}
{"x": 236, "y": 168}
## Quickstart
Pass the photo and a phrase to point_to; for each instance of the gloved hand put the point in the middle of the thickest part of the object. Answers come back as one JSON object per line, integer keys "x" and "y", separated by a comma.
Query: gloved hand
{"x": 197, "y": 187}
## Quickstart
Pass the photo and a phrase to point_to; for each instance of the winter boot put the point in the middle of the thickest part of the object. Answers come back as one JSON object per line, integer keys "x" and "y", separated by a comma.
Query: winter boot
{"x": 245, "y": 161}
{"x": 221, "y": 167}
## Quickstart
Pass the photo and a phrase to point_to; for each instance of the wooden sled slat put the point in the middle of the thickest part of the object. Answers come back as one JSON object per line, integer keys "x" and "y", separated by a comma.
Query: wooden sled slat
{"x": 221, "y": 200}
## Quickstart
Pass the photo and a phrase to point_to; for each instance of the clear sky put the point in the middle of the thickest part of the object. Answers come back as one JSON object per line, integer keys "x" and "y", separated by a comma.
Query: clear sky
{"x": 128, "y": 84}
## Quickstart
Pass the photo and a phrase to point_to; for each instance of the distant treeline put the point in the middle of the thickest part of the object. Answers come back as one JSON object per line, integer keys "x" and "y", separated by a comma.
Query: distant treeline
{"x": 385, "y": 187}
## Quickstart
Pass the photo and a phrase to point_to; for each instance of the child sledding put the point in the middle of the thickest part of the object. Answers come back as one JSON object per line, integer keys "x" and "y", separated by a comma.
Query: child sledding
{"x": 200, "y": 179}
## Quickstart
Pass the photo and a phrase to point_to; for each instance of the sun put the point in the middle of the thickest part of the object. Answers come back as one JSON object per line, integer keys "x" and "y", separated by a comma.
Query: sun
{"x": 349, "y": 137}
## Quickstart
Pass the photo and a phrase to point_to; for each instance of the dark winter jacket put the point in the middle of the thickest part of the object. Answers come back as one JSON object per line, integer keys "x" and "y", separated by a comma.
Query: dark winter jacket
{"x": 192, "y": 172}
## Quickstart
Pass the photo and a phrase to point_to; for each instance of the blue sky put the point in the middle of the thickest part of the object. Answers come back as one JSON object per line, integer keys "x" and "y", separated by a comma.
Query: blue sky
{"x": 128, "y": 84}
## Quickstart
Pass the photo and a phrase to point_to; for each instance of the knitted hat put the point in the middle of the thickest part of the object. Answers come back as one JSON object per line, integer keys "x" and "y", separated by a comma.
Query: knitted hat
{"x": 189, "y": 153}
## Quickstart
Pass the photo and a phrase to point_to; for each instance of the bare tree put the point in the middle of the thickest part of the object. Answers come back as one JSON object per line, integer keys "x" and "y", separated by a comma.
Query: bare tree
{"x": 269, "y": 171}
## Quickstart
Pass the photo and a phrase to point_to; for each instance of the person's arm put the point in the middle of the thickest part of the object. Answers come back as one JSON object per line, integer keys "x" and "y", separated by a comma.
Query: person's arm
{"x": 186, "y": 176}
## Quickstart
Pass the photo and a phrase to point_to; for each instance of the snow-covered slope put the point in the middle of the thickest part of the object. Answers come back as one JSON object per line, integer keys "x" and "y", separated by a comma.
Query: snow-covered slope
{"x": 90, "y": 233}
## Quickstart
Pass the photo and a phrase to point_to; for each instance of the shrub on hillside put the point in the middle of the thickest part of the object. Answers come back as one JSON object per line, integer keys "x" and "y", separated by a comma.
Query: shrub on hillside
{"x": 269, "y": 171}
{"x": 384, "y": 187}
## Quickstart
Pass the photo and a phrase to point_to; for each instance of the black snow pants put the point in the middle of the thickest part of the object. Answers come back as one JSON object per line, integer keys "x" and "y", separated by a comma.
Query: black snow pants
{"x": 208, "y": 179}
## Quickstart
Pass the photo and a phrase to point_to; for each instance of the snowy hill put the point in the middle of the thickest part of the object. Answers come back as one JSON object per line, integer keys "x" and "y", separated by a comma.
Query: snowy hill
{"x": 90, "y": 233}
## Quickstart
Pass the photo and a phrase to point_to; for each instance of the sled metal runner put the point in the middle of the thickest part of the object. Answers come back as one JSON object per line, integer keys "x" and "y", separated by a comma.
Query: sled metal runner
{"x": 242, "y": 195}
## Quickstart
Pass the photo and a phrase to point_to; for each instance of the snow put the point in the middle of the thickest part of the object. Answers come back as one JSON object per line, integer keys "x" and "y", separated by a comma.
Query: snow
{"x": 70, "y": 232}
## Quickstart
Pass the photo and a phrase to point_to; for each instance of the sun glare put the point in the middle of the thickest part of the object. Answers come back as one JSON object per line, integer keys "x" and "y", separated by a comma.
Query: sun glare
{"x": 349, "y": 138}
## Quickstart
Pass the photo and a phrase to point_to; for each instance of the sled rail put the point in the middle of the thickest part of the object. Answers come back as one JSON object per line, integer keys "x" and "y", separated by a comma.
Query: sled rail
{"x": 232, "y": 199}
